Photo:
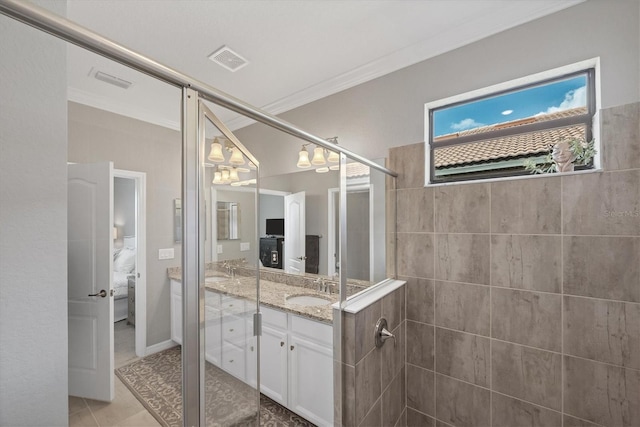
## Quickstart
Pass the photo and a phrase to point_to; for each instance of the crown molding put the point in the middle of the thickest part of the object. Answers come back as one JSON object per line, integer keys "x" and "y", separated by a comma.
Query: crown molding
{"x": 400, "y": 59}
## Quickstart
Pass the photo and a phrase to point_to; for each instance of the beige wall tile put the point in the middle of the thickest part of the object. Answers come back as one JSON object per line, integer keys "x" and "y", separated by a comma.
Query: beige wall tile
{"x": 420, "y": 299}
{"x": 600, "y": 393}
{"x": 462, "y": 307}
{"x": 415, "y": 255}
{"x": 420, "y": 390}
{"x": 393, "y": 400}
{"x": 605, "y": 203}
{"x": 393, "y": 355}
{"x": 402, "y": 421}
{"x": 463, "y": 356}
{"x": 528, "y": 318}
{"x": 420, "y": 351}
{"x": 621, "y": 137}
{"x": 462, "y": 208}
{"x": 460, "y": 403}
{"x": 529, "y": 374}
{"x": 367, "y": 384}
{"x": 417, "y": 419}
{"x": 393, "y": 308}
{"x": 374, "y": 417}
{"x": 348, "y": 338}
{"x": 526, "y": 262}
{"x": 365, "y": 321}
{"x": 570, "y": 421}
{"x": 602, "y": 267}
{"x": 463, "y": 258}
{"x": 408, "y": 162}
{"x": 508, "y": 411}
{"x": 348, "y": 394}
{"x": 415, "y": 210}
{"x": 526, "y": 206}
{"x": 606, "y": 331}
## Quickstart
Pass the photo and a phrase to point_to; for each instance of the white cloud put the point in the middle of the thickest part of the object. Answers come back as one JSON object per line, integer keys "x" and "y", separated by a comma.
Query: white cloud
{"x": 572, "y": 99}
{"x": 465, "y": 124}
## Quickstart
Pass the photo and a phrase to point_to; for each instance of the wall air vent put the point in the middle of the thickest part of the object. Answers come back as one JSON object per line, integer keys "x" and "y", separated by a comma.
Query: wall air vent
{"x": 228, "y": 59}
{"x": 116, "y": 81}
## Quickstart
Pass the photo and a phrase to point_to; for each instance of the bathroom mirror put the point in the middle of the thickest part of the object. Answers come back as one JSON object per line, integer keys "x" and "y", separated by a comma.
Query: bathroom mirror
{"x": 228, "y": 217}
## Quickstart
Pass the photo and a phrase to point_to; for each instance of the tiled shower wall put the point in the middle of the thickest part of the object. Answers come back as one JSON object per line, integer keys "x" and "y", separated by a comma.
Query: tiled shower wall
{"x": 523, "y": 296}
{"x": 374, "y": 378}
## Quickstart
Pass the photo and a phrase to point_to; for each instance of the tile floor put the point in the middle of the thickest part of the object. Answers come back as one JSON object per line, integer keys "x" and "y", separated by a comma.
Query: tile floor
{"x": 125, "y": 410}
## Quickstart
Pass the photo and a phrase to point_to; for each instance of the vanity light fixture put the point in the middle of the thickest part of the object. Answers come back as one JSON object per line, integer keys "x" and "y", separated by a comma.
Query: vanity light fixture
{"x": 215, "y": 155}
{"x": 225, "y": 176}
{"x": 318, "y": 156}
{"x": 233, "y": 175}
{"x": 333, "y": 156}
{"x": 236, "y": 157}
{"x": 303, "y": 158}
{"x": 217, "y": 178}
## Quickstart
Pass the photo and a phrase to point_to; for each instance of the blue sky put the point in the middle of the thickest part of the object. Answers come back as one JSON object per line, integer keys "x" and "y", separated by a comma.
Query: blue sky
{"x": 557, "y": 96}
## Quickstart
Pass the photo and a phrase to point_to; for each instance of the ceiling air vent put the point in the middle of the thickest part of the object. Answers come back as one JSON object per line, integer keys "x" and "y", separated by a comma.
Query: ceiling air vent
{"x": 228, "y": 59}
{"x": 116, "y": 81}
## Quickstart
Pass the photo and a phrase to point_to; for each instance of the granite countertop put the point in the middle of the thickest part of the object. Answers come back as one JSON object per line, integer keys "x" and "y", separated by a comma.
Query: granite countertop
{"x": 272, "y": 294}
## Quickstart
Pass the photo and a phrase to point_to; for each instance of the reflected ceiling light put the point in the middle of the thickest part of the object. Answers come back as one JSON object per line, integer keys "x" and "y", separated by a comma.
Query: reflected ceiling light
{"x": 318, "y": 156}
{"x": 217, "y": 178}
{"x": 236, "y": 184}
{"x": 322, "y": 170}
{"x": 236, "y": 157}
{"x": 303, "y": 158}
{"x": 215, "y": 155}
{"x": 225, "y": 176}
{"x": 334, "y": 167}
{"x": 233, "y": 175}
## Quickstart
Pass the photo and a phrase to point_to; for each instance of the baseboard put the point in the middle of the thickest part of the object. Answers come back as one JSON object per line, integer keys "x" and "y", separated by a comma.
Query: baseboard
{"x": 164, "y": 345}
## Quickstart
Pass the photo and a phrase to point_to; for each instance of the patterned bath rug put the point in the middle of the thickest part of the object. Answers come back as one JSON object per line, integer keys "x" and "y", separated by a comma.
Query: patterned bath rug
{"x": 156, "y": 381}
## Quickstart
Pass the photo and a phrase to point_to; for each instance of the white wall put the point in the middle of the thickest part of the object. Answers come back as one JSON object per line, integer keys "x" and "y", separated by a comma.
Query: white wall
{"x": 33, "y": 225}
{"x": 389, "y": 111}
{"x": 271, "y": 207}
{"x": 124, "y": 208}
{"x": 97, "y": 135}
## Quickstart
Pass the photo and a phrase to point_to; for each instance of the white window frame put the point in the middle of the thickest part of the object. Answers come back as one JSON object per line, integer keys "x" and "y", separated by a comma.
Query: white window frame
{"x": 511, "y": 84}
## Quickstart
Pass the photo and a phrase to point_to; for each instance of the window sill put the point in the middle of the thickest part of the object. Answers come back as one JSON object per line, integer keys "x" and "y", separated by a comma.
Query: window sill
{"x": 514, "y": 178}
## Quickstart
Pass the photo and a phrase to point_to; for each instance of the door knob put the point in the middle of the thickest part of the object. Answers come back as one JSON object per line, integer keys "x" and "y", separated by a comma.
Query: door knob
{"x": 102, "y": 294}
{"x": 302, "y": 258}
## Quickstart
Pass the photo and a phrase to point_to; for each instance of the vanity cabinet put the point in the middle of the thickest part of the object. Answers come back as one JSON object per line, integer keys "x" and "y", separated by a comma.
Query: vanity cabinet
{"x": 296, "y": 363}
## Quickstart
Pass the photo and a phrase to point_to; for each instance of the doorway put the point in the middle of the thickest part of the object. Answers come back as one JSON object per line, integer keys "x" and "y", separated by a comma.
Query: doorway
{"x": 129, "y": 279}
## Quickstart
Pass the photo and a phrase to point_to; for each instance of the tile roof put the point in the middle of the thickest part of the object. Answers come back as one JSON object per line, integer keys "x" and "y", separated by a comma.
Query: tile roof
{"x": 507, "y": 147}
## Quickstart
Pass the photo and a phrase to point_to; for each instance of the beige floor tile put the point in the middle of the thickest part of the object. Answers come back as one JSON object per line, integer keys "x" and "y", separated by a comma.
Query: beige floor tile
{"x": 123, "y": 406}
{"x": 141, "y": 419}
{"x": 82, "y": 418}
{"x": 76, "y": 404}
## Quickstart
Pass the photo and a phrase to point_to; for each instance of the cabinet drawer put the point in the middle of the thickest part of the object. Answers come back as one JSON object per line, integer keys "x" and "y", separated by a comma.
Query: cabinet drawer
{"x": 233, "y": 329}
{"x": 233, "y": 360}
{"x": 315, "y": 331}
{"x": 232, "y": 305}
{"x": 273, "y": 317}
{"x": 211, "y": 299}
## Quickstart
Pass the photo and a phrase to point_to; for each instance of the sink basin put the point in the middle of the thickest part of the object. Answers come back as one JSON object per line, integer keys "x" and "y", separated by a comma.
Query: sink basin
{"x": 308, "y": 300}
{"x": 215, "y": 279}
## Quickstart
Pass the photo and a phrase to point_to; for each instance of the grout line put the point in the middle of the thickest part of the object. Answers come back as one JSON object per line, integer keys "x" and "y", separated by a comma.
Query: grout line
{"x": 490, "y": 312}
{"x": 562, "y": 367}
{"x": 433, "y": 273}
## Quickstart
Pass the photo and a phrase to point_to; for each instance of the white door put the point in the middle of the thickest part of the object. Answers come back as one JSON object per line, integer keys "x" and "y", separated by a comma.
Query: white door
{"x": 294, "y": 233}
{"x": 90, "y": 261}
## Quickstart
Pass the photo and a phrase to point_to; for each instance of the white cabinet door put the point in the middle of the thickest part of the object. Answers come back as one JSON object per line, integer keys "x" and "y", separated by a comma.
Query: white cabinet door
{"x": 213, "y": 335}
{"x": 273, "y": 363}
{"x": 176, "y": 311}
{"x": 311, "y": 380}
